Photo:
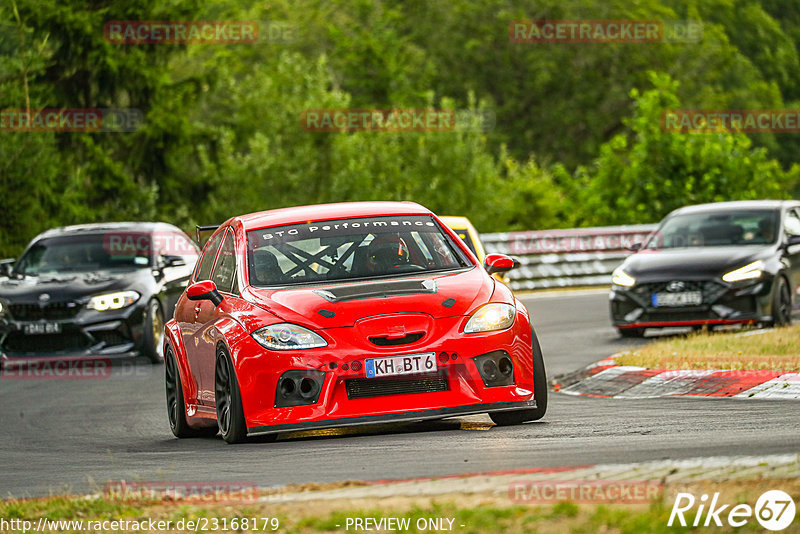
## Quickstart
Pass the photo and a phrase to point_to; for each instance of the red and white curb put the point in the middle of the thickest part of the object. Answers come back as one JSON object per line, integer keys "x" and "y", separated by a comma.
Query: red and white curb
{"x": 498, "y": 483}
{"x": 607, "y": 379}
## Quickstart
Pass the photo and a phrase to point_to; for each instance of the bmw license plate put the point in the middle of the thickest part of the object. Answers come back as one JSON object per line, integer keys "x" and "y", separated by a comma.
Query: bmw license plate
{"x": 409, "y": 364}
{"x": 685, "y": 298}
{"x": 41, "y": 328}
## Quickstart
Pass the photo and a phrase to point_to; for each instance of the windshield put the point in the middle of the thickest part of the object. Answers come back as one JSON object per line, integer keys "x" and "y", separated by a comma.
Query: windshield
{"x": 348, "y": 249}
{"x": 78, "y": 253}
{"x": 746, "y": 227}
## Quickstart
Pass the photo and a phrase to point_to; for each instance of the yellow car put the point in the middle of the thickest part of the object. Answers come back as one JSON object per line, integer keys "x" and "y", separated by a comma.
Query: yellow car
{"x": 463, "y": 227}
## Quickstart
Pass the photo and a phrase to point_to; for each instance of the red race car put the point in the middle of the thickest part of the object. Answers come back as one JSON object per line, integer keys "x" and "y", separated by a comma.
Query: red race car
{"x": 346, "y": 314}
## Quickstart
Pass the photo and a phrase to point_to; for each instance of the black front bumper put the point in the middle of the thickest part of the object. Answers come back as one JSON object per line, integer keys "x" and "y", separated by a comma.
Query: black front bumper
{"x": 722, "y": 304}
{"x": 83, "y": 333}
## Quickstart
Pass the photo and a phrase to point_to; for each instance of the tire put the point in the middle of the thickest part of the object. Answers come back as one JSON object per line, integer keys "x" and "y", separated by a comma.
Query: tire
{"x": 631, "y": 332}
{"x": 153, "y": 338}
{"x": 781, "y": 303}
{"x": 516, "y": 417}
{"x": 230, "y": 416}
{"x": 176, "y": 406}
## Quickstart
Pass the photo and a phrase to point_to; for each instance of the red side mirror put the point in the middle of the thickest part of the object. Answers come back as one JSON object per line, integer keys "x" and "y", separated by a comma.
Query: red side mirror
{"x": 498, "y": 263}
{"x": 204, "y": 290}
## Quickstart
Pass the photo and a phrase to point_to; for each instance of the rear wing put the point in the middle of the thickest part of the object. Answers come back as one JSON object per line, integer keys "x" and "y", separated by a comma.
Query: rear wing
{"x": 207, "y": 229}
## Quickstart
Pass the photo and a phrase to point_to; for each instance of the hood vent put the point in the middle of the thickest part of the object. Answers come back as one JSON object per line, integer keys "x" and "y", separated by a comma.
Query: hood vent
{"x": 371, "y": 290}
{"x": 383, "y": 341}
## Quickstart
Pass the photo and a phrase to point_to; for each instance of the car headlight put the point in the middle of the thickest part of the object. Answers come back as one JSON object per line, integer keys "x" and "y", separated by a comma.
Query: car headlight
{"x": 287, "y": 336}
{"x": 621, "y": 278}
{"x": 494, "y": 316}
{"x": 748, "y": 272}
{"x": 113, "y": 301}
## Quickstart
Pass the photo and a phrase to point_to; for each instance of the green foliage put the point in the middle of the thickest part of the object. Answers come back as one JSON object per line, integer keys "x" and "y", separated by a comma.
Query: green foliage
{"x": 645, "y": 176}
{"x": 222, "y": 133}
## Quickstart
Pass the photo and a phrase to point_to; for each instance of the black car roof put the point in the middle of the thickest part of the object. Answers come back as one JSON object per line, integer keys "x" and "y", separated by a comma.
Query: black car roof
{"x": 736, "y": 204}
{"x": 145, "y": 227}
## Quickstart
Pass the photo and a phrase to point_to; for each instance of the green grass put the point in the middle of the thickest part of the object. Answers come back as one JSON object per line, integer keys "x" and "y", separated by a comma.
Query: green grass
{"x": 775, "y": 350}
{"x": 477, "y": 514}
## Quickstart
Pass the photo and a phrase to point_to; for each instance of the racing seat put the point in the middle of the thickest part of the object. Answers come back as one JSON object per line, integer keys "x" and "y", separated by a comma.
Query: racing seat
{"x": 264, "y": 268}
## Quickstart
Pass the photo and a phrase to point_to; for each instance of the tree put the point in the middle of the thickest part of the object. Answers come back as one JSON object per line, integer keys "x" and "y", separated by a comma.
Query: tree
{"x": 642, "y": 177}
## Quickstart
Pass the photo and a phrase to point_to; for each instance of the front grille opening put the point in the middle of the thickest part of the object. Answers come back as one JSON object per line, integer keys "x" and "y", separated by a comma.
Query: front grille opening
{"x": 45, "y": 343}
{"x": 382, "y": 341}
{"x": 36, "y": 312}
{"x": 362, "y": 388}
{"x": 710, "y": 290}
{"x": 109, "y": 338}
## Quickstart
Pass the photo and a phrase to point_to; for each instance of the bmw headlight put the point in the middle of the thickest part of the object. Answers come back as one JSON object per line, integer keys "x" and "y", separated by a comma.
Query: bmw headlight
{"x": 621, "y": 278}
{"x": 287, "y": 336}
{"x": 493, "y": 316}
{"x": 113, "y": 301}
{"x": 750, "y": 271}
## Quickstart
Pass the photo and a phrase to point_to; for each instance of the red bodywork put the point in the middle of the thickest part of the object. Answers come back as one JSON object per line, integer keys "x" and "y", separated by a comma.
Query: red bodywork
{"x": 199, "y": 328}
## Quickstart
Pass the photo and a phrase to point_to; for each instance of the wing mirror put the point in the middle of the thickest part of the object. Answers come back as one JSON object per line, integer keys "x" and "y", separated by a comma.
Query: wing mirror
{"x": 6, "y": 267}
{"x": 634, "y": 247}
{"x": 205, "y": 290}
{"x": 499, "y": 263}
{"x": 172, "y": 261}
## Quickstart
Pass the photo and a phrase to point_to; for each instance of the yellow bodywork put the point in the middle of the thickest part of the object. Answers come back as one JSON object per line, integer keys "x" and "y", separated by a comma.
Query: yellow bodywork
{"x": 463, "y": 227}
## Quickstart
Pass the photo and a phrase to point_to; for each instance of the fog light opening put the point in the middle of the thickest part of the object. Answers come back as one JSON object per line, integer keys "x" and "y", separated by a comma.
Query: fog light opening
{"x": 443, "y": 357}
{"x": 355, "y": 366}
{"x": 287, "y": 387}
{"x": 308, "y": 388}
{"x": 490, "y": 370}
{"x": 506, "y": 366}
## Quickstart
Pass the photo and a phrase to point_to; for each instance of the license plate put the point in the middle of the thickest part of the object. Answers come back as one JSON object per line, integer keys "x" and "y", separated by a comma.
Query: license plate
{"x": 41, "y": 328}
{"x": 409, "y": 364}
{"x": 686, "y": 298}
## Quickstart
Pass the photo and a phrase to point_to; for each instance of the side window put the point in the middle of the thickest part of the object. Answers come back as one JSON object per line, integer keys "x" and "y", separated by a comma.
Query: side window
{"x": 209, "y": 253}
{"x": 225, "y": 269}
{"x": 792, "y": 223}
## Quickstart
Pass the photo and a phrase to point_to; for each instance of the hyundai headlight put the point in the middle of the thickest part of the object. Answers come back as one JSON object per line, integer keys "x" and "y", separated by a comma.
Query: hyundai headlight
{"x": 750, "y": 271}
{"x": 621, "y": 278}
{"x": 494, "y": 316}
{"x": 287, "y": 336}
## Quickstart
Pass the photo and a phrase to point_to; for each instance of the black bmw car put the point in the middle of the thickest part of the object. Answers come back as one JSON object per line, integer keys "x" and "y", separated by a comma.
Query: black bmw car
{"x": 712, "y": 264}
{"x": 94, "y": 290}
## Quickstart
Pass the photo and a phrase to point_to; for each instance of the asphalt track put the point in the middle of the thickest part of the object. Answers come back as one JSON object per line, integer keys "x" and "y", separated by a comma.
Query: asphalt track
{"x": 74, "y": 436}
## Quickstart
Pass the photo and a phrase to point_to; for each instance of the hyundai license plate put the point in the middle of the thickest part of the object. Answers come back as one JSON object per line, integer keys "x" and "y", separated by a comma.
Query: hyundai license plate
{"x": 685, "y": 298}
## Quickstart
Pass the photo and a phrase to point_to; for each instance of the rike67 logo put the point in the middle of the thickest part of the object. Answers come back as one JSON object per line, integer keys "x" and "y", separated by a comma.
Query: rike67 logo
{"x": 774, "y": 510}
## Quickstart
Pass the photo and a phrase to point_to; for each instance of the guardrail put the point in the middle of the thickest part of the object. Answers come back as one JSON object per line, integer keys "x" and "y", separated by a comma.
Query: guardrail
{"x": 565, "y": 258}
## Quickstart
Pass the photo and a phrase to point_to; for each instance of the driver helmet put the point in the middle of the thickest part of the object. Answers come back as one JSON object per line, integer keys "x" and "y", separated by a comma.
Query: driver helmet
{"x": 386, "y": 252}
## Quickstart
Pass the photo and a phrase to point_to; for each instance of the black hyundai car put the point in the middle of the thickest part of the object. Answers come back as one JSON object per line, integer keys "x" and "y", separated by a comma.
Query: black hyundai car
{"x": 94, "y": 290}
{"x": 712, "y": 264}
